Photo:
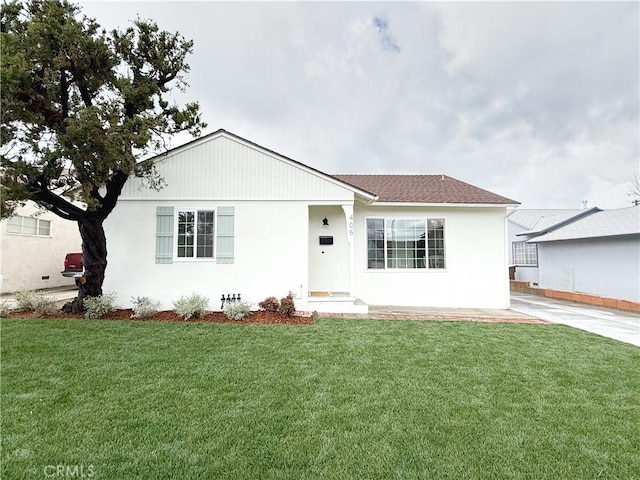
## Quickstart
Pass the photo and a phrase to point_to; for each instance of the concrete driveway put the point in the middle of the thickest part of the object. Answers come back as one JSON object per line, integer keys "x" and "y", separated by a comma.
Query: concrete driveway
{"x": 60, "y": 295}
{"x": 616, "y": 324}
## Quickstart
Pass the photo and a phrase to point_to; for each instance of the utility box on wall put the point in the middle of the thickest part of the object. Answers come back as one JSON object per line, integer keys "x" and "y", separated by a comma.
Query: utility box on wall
{"x": 326, "y": 240}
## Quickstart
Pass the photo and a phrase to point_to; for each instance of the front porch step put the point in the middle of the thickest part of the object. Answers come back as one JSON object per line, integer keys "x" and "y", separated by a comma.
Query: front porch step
{"x": 337, "y": 304}
{"x": 328, "y": 294}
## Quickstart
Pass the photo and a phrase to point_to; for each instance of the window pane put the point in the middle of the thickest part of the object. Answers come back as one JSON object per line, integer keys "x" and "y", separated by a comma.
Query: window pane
{"x": 375, "y": 242}
{"x": 29, "y": 225}
{"x": 44, "y": 228}
{"x": 186, "y": 227}
{"x": 205, "y": 235}
{"x": 525, "y": 254}
{"x": 405, "y": 244}
{"x": 14, "y": 225}
{"x": 436, "y": 243}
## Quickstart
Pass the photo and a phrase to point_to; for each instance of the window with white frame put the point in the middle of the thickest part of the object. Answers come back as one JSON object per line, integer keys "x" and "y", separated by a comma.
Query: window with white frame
{"x": 405, "y": 243}
{"x": 525, "y": 254}
{"x": 29, "y": 226}
{"x": 195, "y": 233}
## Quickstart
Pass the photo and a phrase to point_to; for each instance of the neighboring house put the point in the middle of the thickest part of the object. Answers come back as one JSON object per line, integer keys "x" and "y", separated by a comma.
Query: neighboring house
{"x": 33, "y": 244}
{"x": 598, "y": 253}
{"x": 525, "y": 224}
{"x": 237, "y": 218}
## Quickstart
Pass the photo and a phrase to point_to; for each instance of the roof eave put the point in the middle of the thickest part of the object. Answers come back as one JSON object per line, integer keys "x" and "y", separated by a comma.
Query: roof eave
{"x": 443, "y": 204}
{"x": 563, "y": 223}
{"x": 594, "y": 237}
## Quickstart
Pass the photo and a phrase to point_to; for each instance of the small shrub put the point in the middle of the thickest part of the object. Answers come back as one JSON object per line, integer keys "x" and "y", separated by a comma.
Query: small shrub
{"x": 144, "y": 307}
{"x": 270, "y": 304}
{"x": 192, "y": 306}
{"x": 25, "y": 299}
{"x": 287, "y": 305}
{"x": 36, "y": 301}
{"x": 237, "y": 310}
{"x": 98, "y": 306}
{"x": 44, "y": 305}
{"x": 5, "y": 308}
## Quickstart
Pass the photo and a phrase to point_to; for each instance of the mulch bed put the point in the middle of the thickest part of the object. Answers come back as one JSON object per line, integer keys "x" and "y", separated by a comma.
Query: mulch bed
{"x": 271, "y": 318}
{"x": 258, "y": 317}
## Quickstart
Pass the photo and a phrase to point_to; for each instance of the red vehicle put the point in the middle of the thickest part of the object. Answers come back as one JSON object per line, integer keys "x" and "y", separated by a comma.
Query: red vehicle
{"x": 73, "y": 266}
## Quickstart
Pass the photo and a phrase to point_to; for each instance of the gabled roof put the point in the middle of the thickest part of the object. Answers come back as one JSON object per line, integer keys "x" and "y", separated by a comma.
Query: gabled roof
{"x": 368, "y": 196}
{"x": 423, "y": 189}
{"x": 604, "y": 223}
{"x": 438, "y": 189}
{"x": 528, "y": 218}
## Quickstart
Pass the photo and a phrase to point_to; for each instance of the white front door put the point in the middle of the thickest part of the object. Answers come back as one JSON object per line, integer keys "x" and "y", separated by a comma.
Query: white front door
{"x": 328, "y": 249}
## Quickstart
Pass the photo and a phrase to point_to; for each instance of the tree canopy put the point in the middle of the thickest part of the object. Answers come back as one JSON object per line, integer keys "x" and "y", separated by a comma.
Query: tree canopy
{"x": 80, "y": 108}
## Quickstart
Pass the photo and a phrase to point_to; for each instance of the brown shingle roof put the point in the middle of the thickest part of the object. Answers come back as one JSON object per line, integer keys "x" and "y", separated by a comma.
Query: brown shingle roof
{"x": 423, "y": 189}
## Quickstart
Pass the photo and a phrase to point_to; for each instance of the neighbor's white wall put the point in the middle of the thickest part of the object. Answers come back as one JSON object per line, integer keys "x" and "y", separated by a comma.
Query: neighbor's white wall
{"x": 609, "y": 267}
{"x": 271, "y": 240}
{"x": 476, "y": 259}
{"x": 524, "y": 273}
{"x": 25, "y": 259}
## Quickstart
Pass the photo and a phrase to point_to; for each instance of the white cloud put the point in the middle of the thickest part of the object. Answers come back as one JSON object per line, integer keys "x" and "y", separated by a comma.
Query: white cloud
{"x": 536, "y": 101}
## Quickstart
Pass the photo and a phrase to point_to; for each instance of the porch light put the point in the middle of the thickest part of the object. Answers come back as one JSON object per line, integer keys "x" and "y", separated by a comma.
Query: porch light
{"x": 325, "y": 222}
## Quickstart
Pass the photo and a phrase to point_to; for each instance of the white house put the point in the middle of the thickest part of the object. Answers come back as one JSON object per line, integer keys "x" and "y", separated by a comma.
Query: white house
{"x": 597, "y": 254}
{"x": 237, "y": 218}
{"x": 33, "y": 244}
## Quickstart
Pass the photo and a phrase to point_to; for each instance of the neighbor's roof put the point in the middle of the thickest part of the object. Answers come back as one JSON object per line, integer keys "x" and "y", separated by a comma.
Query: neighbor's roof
{"x": 423, "y": 189}
{"x": 605, "y": 223}
{"x": 528, "y": 218}
{"x": 548, "y": 223}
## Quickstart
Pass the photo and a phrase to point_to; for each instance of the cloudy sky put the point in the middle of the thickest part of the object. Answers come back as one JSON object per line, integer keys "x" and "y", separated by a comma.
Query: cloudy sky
{"x": 535, "y": 101}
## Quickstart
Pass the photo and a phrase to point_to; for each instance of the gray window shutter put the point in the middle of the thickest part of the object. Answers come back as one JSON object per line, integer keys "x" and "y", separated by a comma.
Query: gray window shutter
{"x": 224, "y": 238}
{"x": 164, "y": 235}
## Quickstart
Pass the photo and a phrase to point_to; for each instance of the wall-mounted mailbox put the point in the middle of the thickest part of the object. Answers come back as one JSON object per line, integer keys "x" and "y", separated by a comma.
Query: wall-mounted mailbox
{"x": 326, "y": 240}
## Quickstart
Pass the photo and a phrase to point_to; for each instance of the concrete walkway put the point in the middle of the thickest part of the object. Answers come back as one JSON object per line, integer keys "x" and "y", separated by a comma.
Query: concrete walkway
{"x": 382, "y": 312}
{"x": 616, "y": 324}
{"x": 60, "y": 295}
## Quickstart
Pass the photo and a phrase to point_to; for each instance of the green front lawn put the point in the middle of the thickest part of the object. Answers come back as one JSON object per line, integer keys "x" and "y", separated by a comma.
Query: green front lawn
{"x": 338, "y": 400}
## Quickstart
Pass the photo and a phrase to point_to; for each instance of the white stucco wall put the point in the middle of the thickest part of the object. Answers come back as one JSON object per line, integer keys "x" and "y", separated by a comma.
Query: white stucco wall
{"x": 476, "y": 261}
{"x": 609, "y": 267}
{"x": 27, "y": 260}
{"x": 271, "y": 240}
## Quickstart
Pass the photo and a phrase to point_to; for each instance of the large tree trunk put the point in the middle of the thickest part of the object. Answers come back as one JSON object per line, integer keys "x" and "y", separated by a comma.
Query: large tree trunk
{"x": 94, "y": 255}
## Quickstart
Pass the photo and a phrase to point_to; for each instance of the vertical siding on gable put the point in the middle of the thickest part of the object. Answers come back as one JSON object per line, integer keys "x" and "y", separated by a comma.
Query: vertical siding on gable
{"x": 225, "y": 169}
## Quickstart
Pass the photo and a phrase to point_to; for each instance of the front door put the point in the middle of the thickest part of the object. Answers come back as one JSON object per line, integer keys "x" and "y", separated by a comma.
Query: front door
{"x": 328, "y": 250}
